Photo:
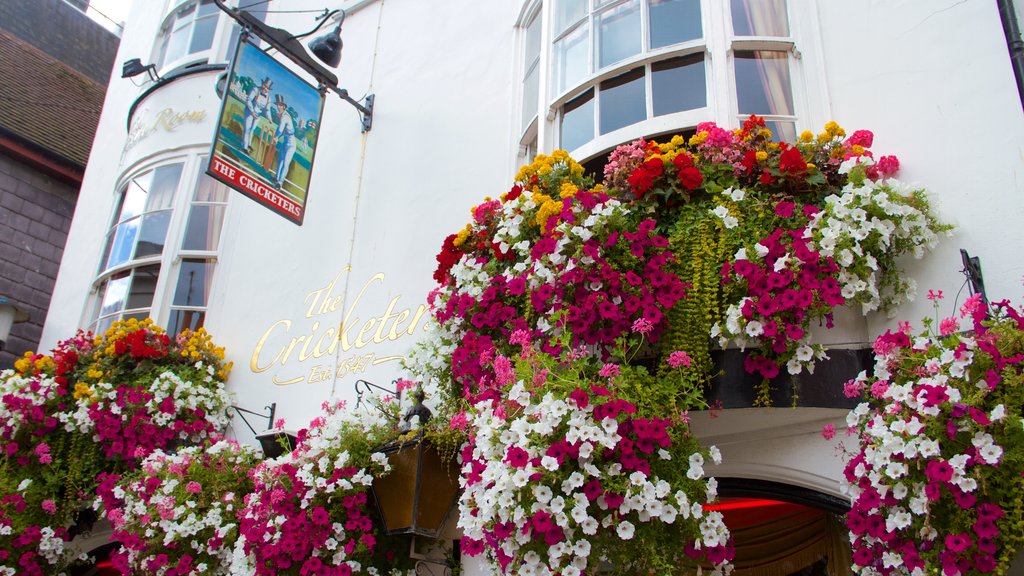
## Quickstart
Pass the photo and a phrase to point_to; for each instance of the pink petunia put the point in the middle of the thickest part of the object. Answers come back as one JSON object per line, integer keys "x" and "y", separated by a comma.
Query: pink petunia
{"x": 828, "y": 431}
{"x": 193, "y": 487}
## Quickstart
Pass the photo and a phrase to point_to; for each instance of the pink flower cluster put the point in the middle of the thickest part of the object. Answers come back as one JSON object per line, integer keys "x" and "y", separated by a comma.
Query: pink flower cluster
{"x": 288, "y": 547}
{"x": 936, "y": 434}
{"x": 786, "y": 289}
{"x": 126, "y": 428}
{"x": 599, "y": 286}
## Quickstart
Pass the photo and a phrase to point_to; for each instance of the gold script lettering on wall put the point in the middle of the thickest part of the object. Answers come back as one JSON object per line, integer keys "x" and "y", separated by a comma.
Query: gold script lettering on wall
{"x": 167, "y": 119}
{"x": 334, "y": 350}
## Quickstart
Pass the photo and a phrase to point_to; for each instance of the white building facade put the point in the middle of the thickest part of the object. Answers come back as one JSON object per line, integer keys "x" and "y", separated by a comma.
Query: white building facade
{"x": 465, "y": 92}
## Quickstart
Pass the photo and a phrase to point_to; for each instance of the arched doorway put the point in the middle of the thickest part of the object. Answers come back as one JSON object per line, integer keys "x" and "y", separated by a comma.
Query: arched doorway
{"x": 784, "y": 530}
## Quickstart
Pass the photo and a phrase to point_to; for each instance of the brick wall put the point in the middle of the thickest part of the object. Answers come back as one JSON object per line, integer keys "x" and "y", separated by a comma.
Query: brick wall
{"x": 64, "y": 33}
{"x": 35, "y": 214}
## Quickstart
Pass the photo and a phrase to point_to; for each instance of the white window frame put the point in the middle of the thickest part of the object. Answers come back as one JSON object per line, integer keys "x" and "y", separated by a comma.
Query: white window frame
{"x": 170, "y": 260}
{"x": 718, "y": 45}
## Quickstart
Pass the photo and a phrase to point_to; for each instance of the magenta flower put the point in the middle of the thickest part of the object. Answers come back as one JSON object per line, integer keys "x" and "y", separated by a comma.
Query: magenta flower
{"x": 958, "y": 543}
{"x": 642, "y": 326}
{"x": 828, "y": 431}
{"x": 193, "y": 487}
{"x": 679, "y": 358}
{"x": 610, "y": 371}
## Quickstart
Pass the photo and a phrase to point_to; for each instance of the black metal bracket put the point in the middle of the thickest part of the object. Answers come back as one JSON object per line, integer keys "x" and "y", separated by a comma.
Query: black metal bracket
{"x": 972, "y": 270}
{"x": 363, "y": 387}
{"x": 242, "y": 412}
{"x": 289, "y": 46}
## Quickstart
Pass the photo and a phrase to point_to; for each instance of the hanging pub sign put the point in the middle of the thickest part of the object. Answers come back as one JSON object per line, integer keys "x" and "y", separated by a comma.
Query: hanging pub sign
{"x": 267, "y": 134}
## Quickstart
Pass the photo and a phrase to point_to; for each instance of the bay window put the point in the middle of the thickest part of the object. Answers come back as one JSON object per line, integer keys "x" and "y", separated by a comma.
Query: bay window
{"x": 161, "y": 248}
{"x": 622, "y": 69}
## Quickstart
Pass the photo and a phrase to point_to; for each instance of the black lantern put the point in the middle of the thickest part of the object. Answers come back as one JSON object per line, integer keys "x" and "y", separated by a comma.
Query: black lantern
{"x": 421, "y": 489}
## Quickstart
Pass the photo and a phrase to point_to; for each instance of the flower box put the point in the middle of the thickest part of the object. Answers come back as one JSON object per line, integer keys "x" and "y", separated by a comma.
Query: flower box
{"x": 734, "y": 387}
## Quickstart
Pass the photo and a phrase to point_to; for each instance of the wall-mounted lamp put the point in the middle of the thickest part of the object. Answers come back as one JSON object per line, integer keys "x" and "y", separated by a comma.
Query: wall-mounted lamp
{"x": 328, "y": 47}
{"x": 9, "y": 316}
{"x": 134, "y": 67}
{"x": 325, "y": 48}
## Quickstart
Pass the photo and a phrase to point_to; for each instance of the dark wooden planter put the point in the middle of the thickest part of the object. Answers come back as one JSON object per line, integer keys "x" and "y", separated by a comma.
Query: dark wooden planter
{"x": 733, "y": 387}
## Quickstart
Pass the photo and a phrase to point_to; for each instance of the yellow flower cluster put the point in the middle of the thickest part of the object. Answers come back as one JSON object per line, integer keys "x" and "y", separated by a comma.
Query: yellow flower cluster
{"x": 543, "y": 165}
{"x": 832, "y": 130}
{"x": 82, "y": 390}
{"x": 460, "y": 238}
{"x": 547, "y": 207}
{"x": 698, "y": 138}
{"x": 120, "y": 330}
{"x": 198, "y": 345}
{"x": 32, "y": 363}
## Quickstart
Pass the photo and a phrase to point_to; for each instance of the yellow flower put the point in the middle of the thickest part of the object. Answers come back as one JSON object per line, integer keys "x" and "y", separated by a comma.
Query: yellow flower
{"x": 765, "y": 133}
{"x": 568, "y": 190}
{"x": 761, "y": 155}
{"x": 547, "y": 210}
{"x": 462, "y": 235}
{"x": 677, "y": 141}
{"x": 698, "y": 138}
{"x": 94, "y": 374}
{"x": 834, "y": 129}
{"x": 544, "y": 170}
{"x": 560, "y": 155}
{"x": 857, "y": 149}
{"x": 82, "y": 390}
{"x": 806, "y": 136}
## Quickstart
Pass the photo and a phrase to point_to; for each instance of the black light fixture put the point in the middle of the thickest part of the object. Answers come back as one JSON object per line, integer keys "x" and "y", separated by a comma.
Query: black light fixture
{"x": 289, "y": 46}
{"x": 419, "y": 492}
{"x": 9, "y": 315}
{"x": 328, "y": 47}
{"x": 134, "y": 67}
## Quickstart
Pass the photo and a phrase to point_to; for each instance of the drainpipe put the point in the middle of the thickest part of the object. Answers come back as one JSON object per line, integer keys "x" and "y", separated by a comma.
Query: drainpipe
{"x": 1011, "y": 28}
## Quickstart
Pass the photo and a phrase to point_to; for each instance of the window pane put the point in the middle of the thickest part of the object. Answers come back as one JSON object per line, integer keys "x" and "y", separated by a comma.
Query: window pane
{"x": 619, "y": 33}
{"x": 134, "y": 197}
{"x": 571, "y": 58}
{"x": 530, "y": 87}
{"x": 762, "y": 83}
{"x": 208, "y": 190}
{"x": 207, "y": 7}
{"x": 176, "y": 45}
{"x": 679, "y": 84}
{"x": 623, "y": 101}
{"x": 115, "y": 292}
{"x": 143, "y": 287}
{"x": 578, "y": 121}
{"x": 162, "y": 184}
{"x": 567, "y": 12}
{"x": 674, "y": 21}
{"x": 759, "y": 18}
{"x": 181, "y": 320}
{"x": 124, "y": 243}
{"x": 202, "y": 36}
{"x": 193, "y": 282}
{"x": 153, "y": 234}
{"x": 781, "y": 131}
{"x": 532, "y": 42}
{"x": 204, "y": 226}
